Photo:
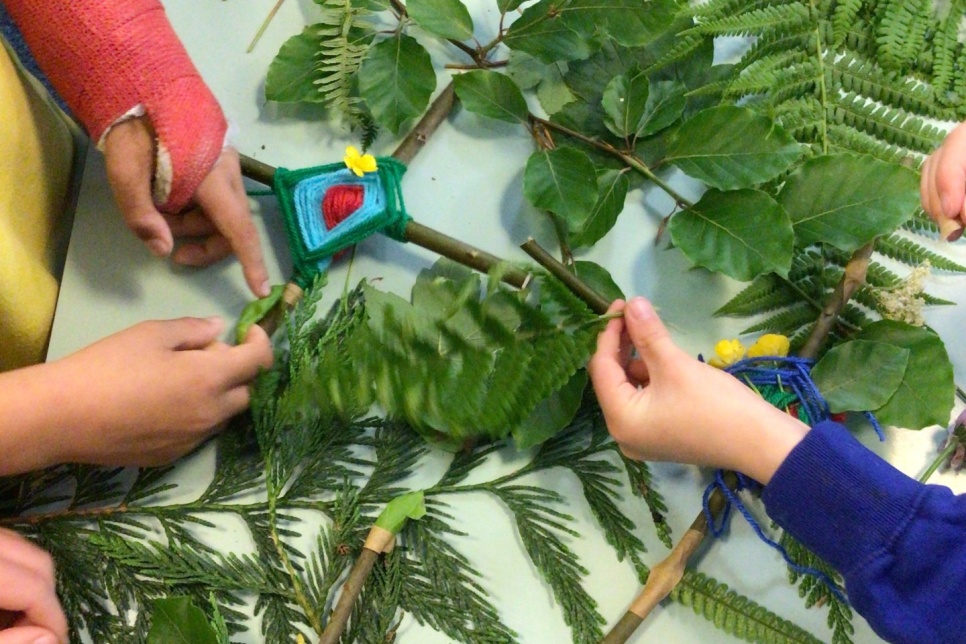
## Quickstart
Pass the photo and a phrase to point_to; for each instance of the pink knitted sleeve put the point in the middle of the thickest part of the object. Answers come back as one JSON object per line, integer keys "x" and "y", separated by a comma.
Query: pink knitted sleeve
{"x": 109, "y": 57}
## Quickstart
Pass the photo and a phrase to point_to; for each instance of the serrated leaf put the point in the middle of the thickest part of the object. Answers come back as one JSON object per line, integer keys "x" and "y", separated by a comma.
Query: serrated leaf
{"x": 732, "y": 147}
{"x": 541, "y": 32}
{"x": 293, "y": 70}
{"x": 846, "y": 200}
{"x": 743, "y": 234}
{"x": 612, "y": 188}
{"x": 551, "y": 414}
{"x": 925, "y": 396}
{"x": 598, "y": 278}
{"x": 176, "y": 620}
{"x": 492, "y": 94}
{"x": 562, "y": 181}
{"x": 444, "y": 18}
{"x": 665, "y": 105}
{"x": 396, "y": 80}
{"x": 631, "y": 23}
{"x": 848, "y": 384}
{"x": 624, "y": 99}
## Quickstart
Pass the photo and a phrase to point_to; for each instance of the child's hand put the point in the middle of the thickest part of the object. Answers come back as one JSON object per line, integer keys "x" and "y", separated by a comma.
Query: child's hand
{"x": 665, "y": 405}
{"x": 942, "y": 186}
{"x": 220, "y": 223}
{"x": 151, "y": 393}
{"x": 29, "y": 610}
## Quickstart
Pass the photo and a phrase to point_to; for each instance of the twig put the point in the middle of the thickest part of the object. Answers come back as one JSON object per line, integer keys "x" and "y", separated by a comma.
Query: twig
{"x": 594, "y": 300}
{"x": 261, "y": 30}
{"x": 349, "y": 593}
{"x": 666, "y": 575}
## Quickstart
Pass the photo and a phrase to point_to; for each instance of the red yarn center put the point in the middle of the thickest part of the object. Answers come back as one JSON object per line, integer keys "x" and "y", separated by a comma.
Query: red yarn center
{"x": 339, "y": 202}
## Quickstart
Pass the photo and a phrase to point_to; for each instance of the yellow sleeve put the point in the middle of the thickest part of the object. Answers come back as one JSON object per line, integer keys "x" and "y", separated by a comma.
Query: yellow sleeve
{"x": 36, "y": 158}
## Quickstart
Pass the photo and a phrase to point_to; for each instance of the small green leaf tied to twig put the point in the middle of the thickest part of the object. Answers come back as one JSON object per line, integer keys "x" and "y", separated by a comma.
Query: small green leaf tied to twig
{"x": 175, "y": 620}
{"x": 848, "y": 384}
{"x": 256, "y": 310}
{"x": 401, "y": 509}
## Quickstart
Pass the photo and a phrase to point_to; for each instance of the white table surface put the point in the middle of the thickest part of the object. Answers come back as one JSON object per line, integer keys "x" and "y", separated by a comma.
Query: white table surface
{"x": 467, "y": 182}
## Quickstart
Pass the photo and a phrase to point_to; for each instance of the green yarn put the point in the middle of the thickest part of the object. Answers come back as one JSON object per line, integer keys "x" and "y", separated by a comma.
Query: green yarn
{"x": 783, "y": 399}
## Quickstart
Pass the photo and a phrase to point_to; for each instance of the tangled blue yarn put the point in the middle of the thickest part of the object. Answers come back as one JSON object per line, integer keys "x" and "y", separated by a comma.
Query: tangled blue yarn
{"x": 788, "y": 374}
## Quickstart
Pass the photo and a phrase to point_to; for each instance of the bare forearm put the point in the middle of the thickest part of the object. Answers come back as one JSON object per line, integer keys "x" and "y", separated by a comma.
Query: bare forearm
{"x": 33, "y": 407}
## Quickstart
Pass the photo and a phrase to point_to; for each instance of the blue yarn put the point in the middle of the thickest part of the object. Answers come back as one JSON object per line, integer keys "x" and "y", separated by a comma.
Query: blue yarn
{"x": 308, "y": 195}
{"x": 788, "y": 374}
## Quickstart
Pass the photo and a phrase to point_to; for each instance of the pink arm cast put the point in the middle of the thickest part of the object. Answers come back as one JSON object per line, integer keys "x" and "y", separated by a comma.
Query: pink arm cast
{"x": 106, "y": 58}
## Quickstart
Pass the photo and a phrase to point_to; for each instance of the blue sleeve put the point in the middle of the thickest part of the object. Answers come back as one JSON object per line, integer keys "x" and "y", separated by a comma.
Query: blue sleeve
{"x": 900, "y": 545}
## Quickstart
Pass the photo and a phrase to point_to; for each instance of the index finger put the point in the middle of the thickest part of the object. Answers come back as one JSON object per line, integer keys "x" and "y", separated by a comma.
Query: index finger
{"x": 33, "y": 596}
{"x": 222, "y": 196}
{"x": 606, "y": 367}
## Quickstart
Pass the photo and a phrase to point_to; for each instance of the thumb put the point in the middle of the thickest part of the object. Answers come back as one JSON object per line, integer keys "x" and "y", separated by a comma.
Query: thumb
{"x": 129, "y": 158}
{"x": 28, "y": 635}
{"x": 647, "y": 333}
{"x": 186, "y": 334}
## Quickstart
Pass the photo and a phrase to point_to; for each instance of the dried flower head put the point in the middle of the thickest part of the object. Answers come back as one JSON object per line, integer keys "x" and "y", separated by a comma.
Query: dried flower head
{"x": 770, "y": 344}
{"x": 727, "y": 353}
{"x": 357, "y": 162}
{"x": 904, "y": 302}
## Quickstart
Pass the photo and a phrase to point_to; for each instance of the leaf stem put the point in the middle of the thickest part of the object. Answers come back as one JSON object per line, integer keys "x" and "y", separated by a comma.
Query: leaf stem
{"x": 939, "y": 460}
{"x": 261, "y": 30}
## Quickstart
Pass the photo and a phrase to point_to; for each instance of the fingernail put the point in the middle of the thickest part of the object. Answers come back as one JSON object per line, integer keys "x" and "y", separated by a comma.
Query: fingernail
{"x": 264, "y": 289}
{"x": 216, "y": 321}
{"x": 46, "y": 639}
{"x": 158, "y": 247}
{"x": 639, "y": 309}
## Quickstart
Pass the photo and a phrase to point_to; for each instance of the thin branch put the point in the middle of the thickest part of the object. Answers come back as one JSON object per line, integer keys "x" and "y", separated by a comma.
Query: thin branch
{"x": 261, "y": 30}
{"x": 597, "y": 302}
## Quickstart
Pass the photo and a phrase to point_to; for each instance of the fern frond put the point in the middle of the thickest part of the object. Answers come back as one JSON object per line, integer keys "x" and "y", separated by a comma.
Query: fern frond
{"x": 765, "y": 293}
{"x": 863, "y": 77}
{"x": 900, "y": 30}
{"x": 843, "y": 16}
{"x": 891, "y": 125}
{"x": 817, "y": 593}
{"x": 921, "y": 224}
{"x": 786, "y": 322}
{"x": 769, "y": 18}
{"x": 344, "y": 37}
{"x": 735, "y": 614}
{"x": 910, "y": 253}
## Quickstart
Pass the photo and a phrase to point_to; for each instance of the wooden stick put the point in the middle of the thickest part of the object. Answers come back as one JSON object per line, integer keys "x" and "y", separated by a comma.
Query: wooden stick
{"x": 594, "y": 300}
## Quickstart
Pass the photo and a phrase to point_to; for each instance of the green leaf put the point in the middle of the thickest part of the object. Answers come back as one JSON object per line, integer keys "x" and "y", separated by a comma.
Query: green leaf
{"x": 562, "y": 181}
{"x": 293, "y": 70}
{"x": 541, "y": 32}
{"x": 848, "y": 384}
{"x": 847, "y": 200}
{"x": 396, "y": 80}
{"x": 612, "y": 188}
{"x": 492, "y": 94}
{"x": 742, "y": 234}
{"x": 444, "y": 18}
{"x": 732, "y": 147}
{"x": 665, "y": 105}
{"x": 597, "y": 278}
{"x": 254, "y": 311}
{"x": 508, "y": 5}
{"x": 552, "y": 414}
{"x": 925, "y": 396}
{"x": 624, "y": 102}
{"x": 400, "y": 510}
{"x": 175, "y": 620}
{"x": 631, "y": 23}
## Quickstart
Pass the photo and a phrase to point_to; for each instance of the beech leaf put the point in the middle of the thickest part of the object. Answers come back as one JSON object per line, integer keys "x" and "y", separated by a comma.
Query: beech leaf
{"x": 176, "y": 620}
{"x": 848, "y": 384}
{"x": 846, "y": 200}
{"x": 292, "y": 72}
{"x": 444, "y": 18}
{"x": 732, "y": 147}
{"x": 612, "y": 188}
{"x": 624, "y": 101}
{"x": 541, "y": 32}
{"x": 743, "y": 234}
{"x": 396, "y": 80}
{"x": 562, "y": 181}
{"x": 552, "y": 414}
{"x": 927, "y": 391}
{"x": 665, "y": 105}
{"x": 492, "y": 94}
{"x": 631, "y": 23}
